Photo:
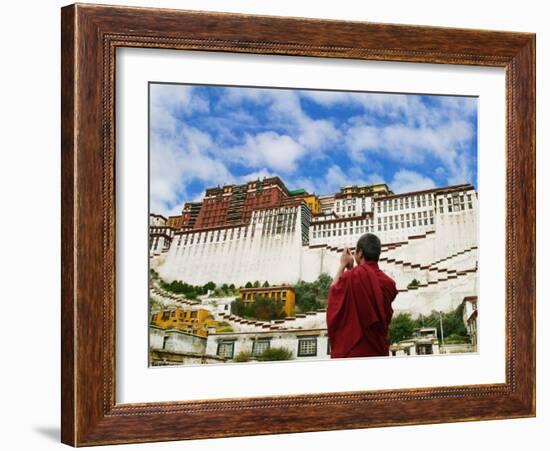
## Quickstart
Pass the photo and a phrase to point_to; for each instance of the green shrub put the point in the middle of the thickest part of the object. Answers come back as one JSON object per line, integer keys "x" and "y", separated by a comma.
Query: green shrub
{"x": 261, "y": 307}
{"x": 272, "y": 354}
{"x": 456, "y": 339}
{"x": 243, "y": 356}
{"x": 414, "y": 283}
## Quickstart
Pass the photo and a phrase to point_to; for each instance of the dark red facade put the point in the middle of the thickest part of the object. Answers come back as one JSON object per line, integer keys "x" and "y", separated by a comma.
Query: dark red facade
{"x": 234, "y": 204}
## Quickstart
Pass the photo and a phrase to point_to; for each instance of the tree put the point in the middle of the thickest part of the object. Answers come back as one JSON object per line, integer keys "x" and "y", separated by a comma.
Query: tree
{"x": 307, "y": 301}
{"x": 266, "y": 309}
{"x": 414, "y": 283}
{"x": 324, "y": 281}
{"x": 257, "y": 284}
{"x": 453, "y": 324}
{"x": 239, "y": 308}
{"x": 261, "y": 307}
{"x": 401, "y": 327}
{"x": 248, "y": 285}
{"x": 312, "y": 295}
{"x": 266, "y": 284}
{"x": 209, "y": 286}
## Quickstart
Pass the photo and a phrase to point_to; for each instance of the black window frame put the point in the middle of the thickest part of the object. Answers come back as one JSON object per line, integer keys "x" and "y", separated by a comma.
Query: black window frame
{"x": 303, "y": 339}
{"x": 225, "y": 342}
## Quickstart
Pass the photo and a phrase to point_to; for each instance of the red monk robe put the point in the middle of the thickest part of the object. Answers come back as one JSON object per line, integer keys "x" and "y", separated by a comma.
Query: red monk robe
{"x": 359, "y": 312}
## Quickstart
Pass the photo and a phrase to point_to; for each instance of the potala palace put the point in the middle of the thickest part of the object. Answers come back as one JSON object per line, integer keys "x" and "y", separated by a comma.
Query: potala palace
{"x": 263, "y": 231}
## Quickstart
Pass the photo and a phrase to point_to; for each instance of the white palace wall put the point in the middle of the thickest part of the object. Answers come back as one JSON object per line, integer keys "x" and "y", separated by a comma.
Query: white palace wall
{"x": 240, "y": 258}
{"x": 442, "y": 256}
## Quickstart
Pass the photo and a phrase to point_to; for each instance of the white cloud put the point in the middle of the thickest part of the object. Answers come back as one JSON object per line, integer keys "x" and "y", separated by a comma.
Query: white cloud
{"x": 408, "y": 108}
{"x": 412, "y": 133}
{"x": 447, "y": 144}
{"x": 334, "y": 179}
{"x": 286, "y": 113}
{"x": 405, "y": 181}
{"x": 168, "y": 101}
{"x": 177, "y": 161}
{"x": 275, "y": 152}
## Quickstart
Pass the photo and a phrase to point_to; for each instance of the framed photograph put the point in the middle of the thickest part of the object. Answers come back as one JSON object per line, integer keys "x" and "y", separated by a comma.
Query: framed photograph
{"x": 275, "y": 225}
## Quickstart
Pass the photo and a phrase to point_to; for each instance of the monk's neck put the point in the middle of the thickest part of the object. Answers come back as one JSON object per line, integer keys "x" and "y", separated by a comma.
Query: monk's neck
{"x": 371, "y": 263}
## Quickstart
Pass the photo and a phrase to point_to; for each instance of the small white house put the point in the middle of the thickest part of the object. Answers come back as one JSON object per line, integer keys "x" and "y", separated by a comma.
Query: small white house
{"x": 304, "y": 344}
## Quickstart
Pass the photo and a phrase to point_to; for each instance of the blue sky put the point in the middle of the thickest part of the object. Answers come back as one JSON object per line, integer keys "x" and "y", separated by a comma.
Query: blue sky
{"x": 203, "y": 136}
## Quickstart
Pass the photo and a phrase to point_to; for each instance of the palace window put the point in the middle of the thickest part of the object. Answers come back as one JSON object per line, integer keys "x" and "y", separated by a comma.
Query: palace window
{"x": 259, "y": 346}
{"x": 226, "y": 349}
{"x": 307, "y": 347}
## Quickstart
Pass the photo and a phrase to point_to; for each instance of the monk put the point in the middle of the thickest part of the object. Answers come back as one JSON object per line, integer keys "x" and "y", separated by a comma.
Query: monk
{"x": 359, "y": 307}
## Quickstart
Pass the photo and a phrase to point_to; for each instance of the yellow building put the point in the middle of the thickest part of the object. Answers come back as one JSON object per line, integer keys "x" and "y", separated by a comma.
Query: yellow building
{"x": 313, "y": 203}
{"x": 192, "y": 321}
{"x": 283, "y": 293}
{"x": 378, "y": 189}
{"x": 174, "y": 221}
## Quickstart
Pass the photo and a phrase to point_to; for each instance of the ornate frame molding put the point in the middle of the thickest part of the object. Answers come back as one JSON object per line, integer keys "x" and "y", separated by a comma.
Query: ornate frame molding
{"x": 90, "y": 36}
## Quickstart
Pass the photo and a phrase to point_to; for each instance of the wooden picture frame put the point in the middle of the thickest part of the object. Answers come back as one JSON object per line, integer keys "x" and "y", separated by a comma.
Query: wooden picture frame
{"x": 90, "y": 35}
